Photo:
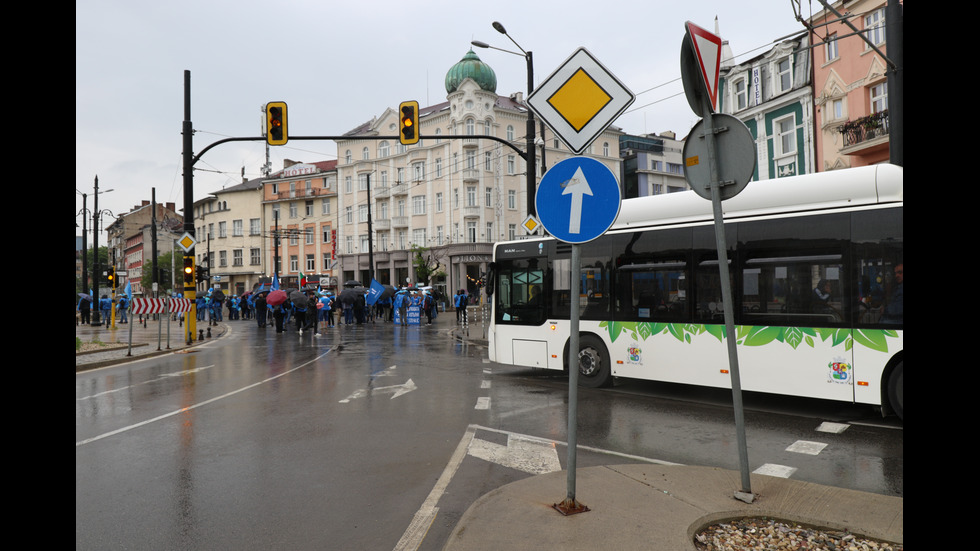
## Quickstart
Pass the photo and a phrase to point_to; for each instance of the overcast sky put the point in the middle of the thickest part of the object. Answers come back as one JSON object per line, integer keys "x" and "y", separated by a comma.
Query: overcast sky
{"x": 337, "y": 64}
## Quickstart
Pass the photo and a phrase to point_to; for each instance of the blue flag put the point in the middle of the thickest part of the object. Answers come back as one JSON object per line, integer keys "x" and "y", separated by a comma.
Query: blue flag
{"x": 374, "y": 292}
{"x": 129, "y": 291}
{"x": 275, "y": 282}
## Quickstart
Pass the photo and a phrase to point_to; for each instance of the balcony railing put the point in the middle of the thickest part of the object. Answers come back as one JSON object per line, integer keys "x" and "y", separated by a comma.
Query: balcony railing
{"x": 865, "y": 129}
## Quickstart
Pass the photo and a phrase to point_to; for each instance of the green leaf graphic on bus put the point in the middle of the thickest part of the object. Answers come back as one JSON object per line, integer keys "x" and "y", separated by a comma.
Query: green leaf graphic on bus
{"x": 755, "y": 335}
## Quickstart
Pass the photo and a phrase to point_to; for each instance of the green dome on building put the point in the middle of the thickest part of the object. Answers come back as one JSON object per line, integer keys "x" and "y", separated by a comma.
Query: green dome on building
{"x": 471, "y": 67}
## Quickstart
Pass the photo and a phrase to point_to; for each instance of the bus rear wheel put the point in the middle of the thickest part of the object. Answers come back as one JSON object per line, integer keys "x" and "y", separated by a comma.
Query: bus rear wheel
{"x": 896, "y": 390}
{"x": 595, "y": 370}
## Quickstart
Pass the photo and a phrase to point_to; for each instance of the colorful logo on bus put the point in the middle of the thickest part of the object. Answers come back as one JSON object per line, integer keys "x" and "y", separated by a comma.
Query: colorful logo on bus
{"x": 840, "y": 371}
{"x": 634, "y": 354}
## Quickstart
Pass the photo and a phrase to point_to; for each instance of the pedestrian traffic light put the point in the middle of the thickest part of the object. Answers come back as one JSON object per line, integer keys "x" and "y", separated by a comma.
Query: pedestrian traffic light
{"x": 188, "y": 271}
{"x": 408, "y": 122}
{"x": 276, "y": 131}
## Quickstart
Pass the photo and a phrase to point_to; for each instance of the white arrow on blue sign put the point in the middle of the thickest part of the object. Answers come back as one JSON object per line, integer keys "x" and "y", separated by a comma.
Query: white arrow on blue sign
{"x": 578, "y": 199}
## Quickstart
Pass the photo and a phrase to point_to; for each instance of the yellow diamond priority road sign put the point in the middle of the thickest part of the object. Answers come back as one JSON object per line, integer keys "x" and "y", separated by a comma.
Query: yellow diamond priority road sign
{"x": 580, "y": 100}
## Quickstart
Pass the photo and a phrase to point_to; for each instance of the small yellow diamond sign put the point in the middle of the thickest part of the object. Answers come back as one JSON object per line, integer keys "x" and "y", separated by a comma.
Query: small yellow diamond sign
{"x": 530, "y": 224}
{"x": 580, "y": 100}
{"x": 187, "y": 242}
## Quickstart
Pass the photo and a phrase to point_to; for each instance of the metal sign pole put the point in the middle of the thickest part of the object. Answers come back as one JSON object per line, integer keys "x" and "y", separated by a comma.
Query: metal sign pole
{"x": 570, "y": 505}
{"x": 728, "y": 304}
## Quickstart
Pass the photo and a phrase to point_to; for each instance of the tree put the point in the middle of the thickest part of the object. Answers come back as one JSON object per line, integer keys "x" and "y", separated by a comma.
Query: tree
{"x": 164, "y": 263}
{"x": 425, "y": 264}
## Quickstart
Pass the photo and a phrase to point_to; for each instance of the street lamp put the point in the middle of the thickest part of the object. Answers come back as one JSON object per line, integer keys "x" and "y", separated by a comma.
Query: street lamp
{"x": 530, "y": 154}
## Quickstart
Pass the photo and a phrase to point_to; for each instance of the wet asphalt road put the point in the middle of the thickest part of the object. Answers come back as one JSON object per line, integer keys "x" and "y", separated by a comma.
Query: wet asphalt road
{"x": 265, "y": 440}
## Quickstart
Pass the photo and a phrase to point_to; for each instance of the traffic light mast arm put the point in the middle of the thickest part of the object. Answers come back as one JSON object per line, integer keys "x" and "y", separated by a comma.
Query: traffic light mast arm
{"x": 197, "y": 157}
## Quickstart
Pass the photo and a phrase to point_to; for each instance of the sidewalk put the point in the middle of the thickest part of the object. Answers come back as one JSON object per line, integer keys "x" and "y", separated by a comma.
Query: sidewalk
{"x": 147, "y": 341}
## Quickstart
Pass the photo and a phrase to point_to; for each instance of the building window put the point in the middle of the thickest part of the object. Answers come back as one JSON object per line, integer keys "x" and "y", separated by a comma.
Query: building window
{"x": 418, "y": 204}
{"x": 236, "y": 228}
{"x": 293, "y": 263}
{"x": 325, "y": 206}
{"x": 349, "y": 244}
{"x": 254, "y": 226}
{"x": 741, "y": 91}
{"x": 384, "y": 149}
{"x": 487, "y": 161}
{"x": 349, "y": 214}
{"x": 365, "y": 242}
{"x": 310, "y": 236}
{"x": 470, "y": 127}
{"x": 511, "y": 199}
{"x": 400, "y": 208}
{"x": 255, "y": 257}
{"x": 511, "y": 232}
{"x": 785, "y": 136}
{"x": 348, "y": 185}
{"x": 384, "y": 179}
{"x": 471, "y": 232}
{"x": 838, "y": 109}
{"x": 222, "y": 259}
{"x": 471, "y": 160}
{"x": 418, "y": 237}
{"x": 784, "y": 75}
{"x": 383, "y": 210}
{"x": 365, "y": 153}
{"x": 439, "y": 235}
{"x": 362, "y": 182}
{"x": 879, "y": 97}
{"x": 490, "y": 236}
{"x": 326, "y": 261}
{"x": 237, "y": 257}
{"x": 308, "y": 208}
{"x": 511, "y": 164}
{"x": 293, "y": 210}
{"x": 293, "y": 238}
{"x": 874, "y": 24}
{"x": 471, "y": 196}
{"x": 510, "y": 133}
{"x": 488, "y": 197}
{"x": 439, "y": 167}
{"x": 418, "y": 169}
{"x": 830, "y": 48}
{"x": 362, "y": 213}
{"x": 605, "y": 148}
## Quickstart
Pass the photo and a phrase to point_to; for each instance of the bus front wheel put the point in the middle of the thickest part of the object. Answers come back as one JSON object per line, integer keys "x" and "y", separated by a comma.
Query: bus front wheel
{"x": 896, "y": 390}
{"x": 595, "y": 370}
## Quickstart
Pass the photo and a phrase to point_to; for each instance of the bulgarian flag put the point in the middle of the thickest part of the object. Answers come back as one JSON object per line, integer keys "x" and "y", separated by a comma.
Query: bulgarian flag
{"x": 302, "y": 280}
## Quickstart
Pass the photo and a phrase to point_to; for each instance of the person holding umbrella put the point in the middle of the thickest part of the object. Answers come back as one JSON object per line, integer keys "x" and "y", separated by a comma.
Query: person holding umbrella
{"x": 260, "y": 309}
{"x": 85, "y": 308}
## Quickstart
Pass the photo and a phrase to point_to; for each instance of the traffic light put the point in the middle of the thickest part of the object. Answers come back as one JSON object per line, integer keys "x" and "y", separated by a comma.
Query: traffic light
{"x": 408, "y": 122}
{"x": 188, "y": 271}
{"x": 110, "y": 276}
{"x": 203, "y": 274}
{"x": 276, "y": 129}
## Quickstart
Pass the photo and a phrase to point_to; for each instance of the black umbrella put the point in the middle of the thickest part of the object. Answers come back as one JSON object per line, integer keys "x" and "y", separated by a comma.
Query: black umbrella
{"x": 298, "y": 298}
{"x": 217, "y": 295}
{"x": 388, "y": 291}
{"x": 352, "y": 283}
{"x": 348, "y": 296}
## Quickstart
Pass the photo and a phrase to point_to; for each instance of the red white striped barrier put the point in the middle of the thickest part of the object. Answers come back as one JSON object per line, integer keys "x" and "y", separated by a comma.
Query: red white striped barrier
{"x": 159, "y": 305}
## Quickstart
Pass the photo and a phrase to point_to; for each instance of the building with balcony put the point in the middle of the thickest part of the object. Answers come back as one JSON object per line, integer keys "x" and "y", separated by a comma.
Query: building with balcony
{"x": 771, "y": 94}
{"x": 850, "y": 85}
{"x": 454, "y": 193}
{"x": 299, "y": 214}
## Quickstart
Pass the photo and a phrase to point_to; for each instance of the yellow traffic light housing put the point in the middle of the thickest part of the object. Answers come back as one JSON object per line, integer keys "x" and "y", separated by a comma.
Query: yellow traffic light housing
{"x": 276, "y": 129}
{"x": 189, "y": 272}
{"x": 408, "y": 122}
{"x": 111, "y": 276}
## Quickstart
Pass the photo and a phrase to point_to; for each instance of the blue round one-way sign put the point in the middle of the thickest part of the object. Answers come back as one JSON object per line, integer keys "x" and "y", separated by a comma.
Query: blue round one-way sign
{"x": 578, "y": 199}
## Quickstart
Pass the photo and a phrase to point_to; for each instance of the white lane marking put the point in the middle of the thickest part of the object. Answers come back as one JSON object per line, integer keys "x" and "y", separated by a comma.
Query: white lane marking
{"x": 483, "y": 403}
{"x": 834, "y": 428}
{"x": 523, "y": 454}
{"x": 771, "y": 469}
{"x": 809, "y": 448}
{"x": 157, "y": 379}
{"x": 415, "y": 533}
{"x": 394, "y": 390}
{"x": 484, "y": 384}
{"x": 204, "y": 403}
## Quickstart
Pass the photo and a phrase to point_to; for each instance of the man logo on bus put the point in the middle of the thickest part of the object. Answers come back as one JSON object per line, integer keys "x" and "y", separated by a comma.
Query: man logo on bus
{"x": 634, "y": 353}
{"x": 840, "y": 370}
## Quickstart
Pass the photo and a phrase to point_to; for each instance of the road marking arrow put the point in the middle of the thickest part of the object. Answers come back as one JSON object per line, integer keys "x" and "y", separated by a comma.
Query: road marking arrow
{"x": 577, "y": 187}
{"x": 394, "y": 390}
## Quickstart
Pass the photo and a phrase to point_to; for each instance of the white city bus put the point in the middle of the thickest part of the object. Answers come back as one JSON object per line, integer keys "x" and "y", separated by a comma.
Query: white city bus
{"x": 816, "y": 264}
